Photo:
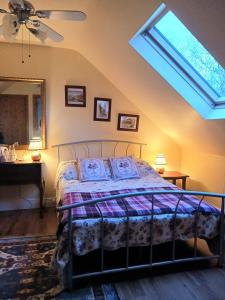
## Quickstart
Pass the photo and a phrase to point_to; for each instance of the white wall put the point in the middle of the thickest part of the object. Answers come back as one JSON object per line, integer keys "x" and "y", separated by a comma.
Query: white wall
{"x": 106, "y": 46}
{"x": 64, "y": 124}
{"x": 207, "y": 170}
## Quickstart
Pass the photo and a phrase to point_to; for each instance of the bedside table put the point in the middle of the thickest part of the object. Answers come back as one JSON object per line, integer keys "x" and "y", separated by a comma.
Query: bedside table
{"x": 20, "y": 173}
{"x": 174, "y": 176}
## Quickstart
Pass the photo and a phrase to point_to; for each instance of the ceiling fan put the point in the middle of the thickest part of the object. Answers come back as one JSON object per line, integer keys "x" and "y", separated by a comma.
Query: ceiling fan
{"x": 22, "y": 12}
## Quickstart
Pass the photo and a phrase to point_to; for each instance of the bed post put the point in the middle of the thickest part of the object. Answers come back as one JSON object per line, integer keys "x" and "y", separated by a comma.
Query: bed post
{"x": 221, "y": 258}
{"x": 70, "y": 263}
{"x": 175, "y": 227}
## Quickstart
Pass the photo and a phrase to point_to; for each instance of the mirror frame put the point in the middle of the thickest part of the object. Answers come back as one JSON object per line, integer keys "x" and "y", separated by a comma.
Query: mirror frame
{"x": 42, "y": 83}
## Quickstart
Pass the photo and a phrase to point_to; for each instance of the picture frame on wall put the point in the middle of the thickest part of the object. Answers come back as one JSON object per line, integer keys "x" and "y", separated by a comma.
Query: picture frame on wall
{"x": 128, "y": 122}
{"x": 75, "y": 95}
{"x": 102, "y": 109}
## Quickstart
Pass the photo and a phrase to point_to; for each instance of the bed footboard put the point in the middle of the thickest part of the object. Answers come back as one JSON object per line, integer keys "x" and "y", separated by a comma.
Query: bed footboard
{"x": 180, "y": 194}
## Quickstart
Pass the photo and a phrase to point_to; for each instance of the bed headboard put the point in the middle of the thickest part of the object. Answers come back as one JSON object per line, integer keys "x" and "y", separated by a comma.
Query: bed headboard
{"x": 101, "y": 148}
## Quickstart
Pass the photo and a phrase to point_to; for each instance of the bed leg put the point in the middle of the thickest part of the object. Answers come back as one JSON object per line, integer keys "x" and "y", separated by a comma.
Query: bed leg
{"x": 70, "y": 276}
{"x": 220, "y": 262}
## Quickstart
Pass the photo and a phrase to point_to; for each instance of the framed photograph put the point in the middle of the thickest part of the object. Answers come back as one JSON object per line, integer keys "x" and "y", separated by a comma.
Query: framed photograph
{"x": 102, "y": 109}
{"x": 128, "y": 122}
{"x": 75, "y": 95}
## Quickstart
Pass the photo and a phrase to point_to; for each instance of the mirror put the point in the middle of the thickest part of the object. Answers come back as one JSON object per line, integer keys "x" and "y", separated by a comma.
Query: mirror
{"x": 22, "y": 111}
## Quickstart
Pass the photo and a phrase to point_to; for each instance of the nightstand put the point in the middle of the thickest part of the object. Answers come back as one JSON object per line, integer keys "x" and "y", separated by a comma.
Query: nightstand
{"x": 174, "y": 176}
{"x": 20, "y": 173}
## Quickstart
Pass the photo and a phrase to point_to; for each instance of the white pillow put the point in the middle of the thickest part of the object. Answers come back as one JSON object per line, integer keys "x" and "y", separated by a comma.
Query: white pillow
{"x": 92, "y": 169}
{"x": 66, "y": 170}
{"x": 144, "y": 168}
{"x": 123, "y": 168}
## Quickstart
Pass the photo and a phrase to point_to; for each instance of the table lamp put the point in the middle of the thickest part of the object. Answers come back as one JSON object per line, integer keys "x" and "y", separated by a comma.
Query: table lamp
{"x": 34, "y": 146}
{"x": 160, "y": 162}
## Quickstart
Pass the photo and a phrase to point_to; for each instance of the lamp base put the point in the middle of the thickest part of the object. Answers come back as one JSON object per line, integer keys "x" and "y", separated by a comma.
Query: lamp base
{"x": 36, "y": 157}
{"x": 160, "y": 170}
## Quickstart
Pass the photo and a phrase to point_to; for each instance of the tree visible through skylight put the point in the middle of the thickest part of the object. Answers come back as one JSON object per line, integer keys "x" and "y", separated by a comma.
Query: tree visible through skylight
{"x": 182, "y": 40}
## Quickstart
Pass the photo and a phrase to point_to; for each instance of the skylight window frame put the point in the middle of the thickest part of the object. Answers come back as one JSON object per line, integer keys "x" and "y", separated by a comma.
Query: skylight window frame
{"x": 180, "y": 64}
{"x": 151, "y": 51}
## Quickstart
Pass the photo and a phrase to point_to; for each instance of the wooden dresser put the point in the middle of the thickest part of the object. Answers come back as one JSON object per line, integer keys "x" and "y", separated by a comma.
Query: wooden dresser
{"x": 20, "y": 173}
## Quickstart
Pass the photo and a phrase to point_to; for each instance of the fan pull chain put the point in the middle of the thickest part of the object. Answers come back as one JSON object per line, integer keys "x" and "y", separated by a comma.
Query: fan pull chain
{"x": 22, "y": 47}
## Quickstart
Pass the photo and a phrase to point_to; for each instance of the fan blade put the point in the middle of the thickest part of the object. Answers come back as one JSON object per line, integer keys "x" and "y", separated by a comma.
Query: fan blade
{"x": 16, "y": 4}
{"x": 61, "y": 15}
{"x": 42, "y": 36}
{"x": 42, "y": 31}
{"x": 2, "y": 11}
{"x": 10, "y": 27}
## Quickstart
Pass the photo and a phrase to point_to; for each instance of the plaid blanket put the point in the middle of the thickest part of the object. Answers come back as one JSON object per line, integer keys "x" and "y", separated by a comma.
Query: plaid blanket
{"x": 134, "y": 205}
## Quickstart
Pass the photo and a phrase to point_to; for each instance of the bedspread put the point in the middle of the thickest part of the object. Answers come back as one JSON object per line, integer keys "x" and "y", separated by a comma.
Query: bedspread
{"x": 133, "y": 206}
{"x": 87, "y": 221}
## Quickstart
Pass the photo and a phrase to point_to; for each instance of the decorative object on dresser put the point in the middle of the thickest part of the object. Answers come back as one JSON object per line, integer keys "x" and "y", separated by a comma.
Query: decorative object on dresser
{"x": 20, "y": 173}
{"x": 102, "y": 109}
{"x": 4, "y": 154}
{"x": 34, "y": 146}
{"x": 23, "y": 102}
{"x": 160, "y": 162}
{"x": 128, "y": 122}
{"x": 75, "y": 95}
{"x": 8, "y": 154}
{"x": 12, "y": 152}
{"x": 174, "y": 176}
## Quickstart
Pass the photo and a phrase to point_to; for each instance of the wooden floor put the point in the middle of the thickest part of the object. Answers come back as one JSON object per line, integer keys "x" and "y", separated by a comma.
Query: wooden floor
{"x": 28, "y": 222}
{"x": 205, "y": 284}
{"x": 173, "y": 283}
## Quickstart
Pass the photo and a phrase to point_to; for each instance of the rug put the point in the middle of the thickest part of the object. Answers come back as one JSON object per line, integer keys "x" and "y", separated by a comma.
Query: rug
{"x": 26, "y": 273}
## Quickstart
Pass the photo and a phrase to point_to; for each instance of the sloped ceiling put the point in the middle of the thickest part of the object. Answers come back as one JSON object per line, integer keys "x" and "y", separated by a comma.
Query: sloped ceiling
{"x": 103, "y": 40}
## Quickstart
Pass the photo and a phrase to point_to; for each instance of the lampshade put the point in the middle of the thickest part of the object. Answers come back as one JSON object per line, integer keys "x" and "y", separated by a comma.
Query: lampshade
{"x": 34, "y": 146}
{"x": 160, "y": 160}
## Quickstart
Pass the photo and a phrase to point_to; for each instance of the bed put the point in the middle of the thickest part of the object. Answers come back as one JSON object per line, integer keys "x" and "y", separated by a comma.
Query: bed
{"x": 100, "y": 218}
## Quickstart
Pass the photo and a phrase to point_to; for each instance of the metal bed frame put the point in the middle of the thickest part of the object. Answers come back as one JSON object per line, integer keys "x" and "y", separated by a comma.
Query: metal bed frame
{"x": 72, "y": 147}
{"x": 70, "y": 273}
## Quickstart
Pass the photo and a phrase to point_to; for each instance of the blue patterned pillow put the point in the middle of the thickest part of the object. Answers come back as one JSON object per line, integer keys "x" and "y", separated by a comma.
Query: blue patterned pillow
{"x": 92, "y": 169}
{"x": 123, "y": 168}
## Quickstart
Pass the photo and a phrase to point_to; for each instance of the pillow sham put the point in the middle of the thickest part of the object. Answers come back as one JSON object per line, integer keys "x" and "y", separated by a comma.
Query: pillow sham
{"x": 66, "y": 170}
{"x": 144, "y": 168}
{"x": 123, "y": 168}
{"x": 92, "y": 169}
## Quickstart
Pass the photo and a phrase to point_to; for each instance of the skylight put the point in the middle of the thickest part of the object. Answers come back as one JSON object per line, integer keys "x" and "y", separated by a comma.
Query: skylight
{"x": 183, "y": 61}
{"x": 182, "y": 40}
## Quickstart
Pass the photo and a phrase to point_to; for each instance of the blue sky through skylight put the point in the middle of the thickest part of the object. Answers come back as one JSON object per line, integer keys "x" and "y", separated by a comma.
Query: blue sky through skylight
{"x": 182, "y": 40}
